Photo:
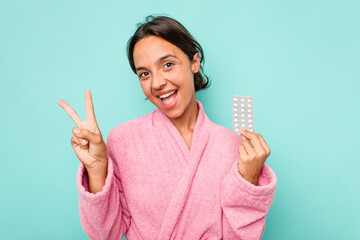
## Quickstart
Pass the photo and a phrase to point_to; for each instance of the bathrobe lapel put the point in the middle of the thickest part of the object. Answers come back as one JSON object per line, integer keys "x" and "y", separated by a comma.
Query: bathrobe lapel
{"x": 192, "y": 157}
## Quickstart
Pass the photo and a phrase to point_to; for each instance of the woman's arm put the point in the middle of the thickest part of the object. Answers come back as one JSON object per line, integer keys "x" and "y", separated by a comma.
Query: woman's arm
{"x": 105, "y": 214}
{"x": 245, "y": 205}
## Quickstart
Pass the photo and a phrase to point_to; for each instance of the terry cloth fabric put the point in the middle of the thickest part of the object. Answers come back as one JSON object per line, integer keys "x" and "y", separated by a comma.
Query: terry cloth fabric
{"x": 158, "y": 188}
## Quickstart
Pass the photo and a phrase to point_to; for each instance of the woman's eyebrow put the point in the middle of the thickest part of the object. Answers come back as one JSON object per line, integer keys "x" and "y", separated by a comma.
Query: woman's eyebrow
{"x": 166, "y": 56}
{"x": 159, "y": 60}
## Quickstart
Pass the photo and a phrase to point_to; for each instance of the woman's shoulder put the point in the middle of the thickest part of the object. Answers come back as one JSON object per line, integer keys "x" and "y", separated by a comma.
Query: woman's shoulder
{"x": 225, "y": 134}
{"x": 132, "y": 127}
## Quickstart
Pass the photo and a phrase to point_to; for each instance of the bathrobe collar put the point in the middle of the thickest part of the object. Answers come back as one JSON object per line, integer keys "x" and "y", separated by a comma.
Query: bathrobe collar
{"x": 192, "y": 157}
{"x": 200, "y": 133}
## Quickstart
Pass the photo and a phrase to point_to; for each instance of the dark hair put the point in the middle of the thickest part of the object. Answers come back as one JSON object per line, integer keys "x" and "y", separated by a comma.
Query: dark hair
{"x": 175, "y": 33}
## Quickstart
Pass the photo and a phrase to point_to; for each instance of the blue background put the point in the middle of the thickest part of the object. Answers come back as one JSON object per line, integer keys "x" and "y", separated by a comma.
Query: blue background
{"x": 300, "y": 60}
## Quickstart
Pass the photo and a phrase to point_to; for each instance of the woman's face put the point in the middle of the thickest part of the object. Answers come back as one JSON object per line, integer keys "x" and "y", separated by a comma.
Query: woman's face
{"x": 164, "y": 68}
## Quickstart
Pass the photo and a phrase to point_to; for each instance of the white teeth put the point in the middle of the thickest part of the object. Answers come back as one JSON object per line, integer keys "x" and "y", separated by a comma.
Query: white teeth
{"x": 168, "y": 94}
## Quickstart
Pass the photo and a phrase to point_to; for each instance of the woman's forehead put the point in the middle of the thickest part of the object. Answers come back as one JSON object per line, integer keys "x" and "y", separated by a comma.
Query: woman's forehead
{"x": 153, "y": 48}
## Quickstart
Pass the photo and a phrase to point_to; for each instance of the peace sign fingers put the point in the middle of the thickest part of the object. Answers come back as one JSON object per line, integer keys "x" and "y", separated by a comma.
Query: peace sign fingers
{"x": 89, "y": 107}
{"x": 71, "y": 112}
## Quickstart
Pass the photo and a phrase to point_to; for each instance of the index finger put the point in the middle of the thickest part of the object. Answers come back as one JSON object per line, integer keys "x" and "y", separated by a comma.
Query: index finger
{"x": 71, "y": 112}
{"x": 253, "y": 137}
{"x": 89, "y": 107}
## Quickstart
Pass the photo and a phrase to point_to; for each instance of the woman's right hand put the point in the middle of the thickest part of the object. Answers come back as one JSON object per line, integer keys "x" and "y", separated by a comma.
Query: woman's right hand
{"x": 87, "y": 140}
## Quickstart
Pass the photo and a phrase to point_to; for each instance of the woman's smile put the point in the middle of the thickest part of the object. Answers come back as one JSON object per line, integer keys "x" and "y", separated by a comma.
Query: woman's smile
{"x": 169, "y": 100}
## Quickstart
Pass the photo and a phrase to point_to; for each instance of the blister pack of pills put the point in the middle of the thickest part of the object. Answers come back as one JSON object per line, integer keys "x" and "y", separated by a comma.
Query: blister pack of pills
{"x": 243, "y": 113}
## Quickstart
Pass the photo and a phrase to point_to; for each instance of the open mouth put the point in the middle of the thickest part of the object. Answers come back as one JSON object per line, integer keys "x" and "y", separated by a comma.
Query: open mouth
{"x": 170, "y": 100}
{"x": 168, "y": 96}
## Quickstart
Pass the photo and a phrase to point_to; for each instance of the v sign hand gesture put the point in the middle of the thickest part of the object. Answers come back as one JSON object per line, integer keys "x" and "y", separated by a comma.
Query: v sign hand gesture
{"x": 87, "y": 141}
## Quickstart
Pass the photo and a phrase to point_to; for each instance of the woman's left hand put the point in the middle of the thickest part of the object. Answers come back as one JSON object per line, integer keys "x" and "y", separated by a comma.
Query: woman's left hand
{"x": 252, "y": 157}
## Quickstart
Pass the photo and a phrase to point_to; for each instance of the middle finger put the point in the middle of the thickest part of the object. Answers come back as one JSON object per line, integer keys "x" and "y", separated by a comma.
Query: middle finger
{"x": 248, "y": 147}
{"x": 71, "y": 112}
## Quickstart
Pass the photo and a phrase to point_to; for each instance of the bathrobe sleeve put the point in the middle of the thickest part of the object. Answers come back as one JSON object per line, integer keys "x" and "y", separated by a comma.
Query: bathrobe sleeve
{"x": 245, "y": 205}
{"x": 103, "y": 215}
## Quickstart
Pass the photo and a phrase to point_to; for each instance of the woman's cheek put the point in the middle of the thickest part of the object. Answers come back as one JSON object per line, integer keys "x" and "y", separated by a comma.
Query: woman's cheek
{"x": 172, "y": 76}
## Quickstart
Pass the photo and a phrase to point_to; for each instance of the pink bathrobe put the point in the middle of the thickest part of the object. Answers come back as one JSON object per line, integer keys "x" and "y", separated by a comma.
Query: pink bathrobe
{"x": 158, "y": 188}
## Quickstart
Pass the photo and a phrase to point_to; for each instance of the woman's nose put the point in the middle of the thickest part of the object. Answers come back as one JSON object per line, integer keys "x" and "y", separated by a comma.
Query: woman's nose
{"x": 158, "y": 81}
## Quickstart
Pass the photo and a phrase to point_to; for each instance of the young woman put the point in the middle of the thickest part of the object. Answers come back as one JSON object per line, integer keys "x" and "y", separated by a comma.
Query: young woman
{"x": 171, "y": 174}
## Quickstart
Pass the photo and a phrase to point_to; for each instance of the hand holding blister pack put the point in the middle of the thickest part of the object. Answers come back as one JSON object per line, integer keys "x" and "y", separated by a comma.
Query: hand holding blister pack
{"x": 243, "y": 113}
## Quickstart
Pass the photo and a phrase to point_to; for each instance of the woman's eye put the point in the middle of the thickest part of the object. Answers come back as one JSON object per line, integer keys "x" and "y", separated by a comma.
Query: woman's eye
{"x": 168, "y": 64}
{"x": 142, "y": 74}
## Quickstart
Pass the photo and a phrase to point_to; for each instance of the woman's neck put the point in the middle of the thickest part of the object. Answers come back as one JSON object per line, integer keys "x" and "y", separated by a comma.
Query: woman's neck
{"x": 186, "y": 123}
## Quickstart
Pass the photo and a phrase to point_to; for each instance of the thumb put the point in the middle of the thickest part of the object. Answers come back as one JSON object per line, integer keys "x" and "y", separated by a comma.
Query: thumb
{"x": 88, "y": 135}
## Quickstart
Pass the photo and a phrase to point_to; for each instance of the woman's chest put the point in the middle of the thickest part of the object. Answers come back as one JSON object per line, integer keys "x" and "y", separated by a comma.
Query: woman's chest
{"x": 156, "y": 179}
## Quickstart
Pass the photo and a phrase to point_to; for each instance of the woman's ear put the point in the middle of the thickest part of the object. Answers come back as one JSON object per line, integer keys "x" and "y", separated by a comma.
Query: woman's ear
{"x": 195, "y": 65}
